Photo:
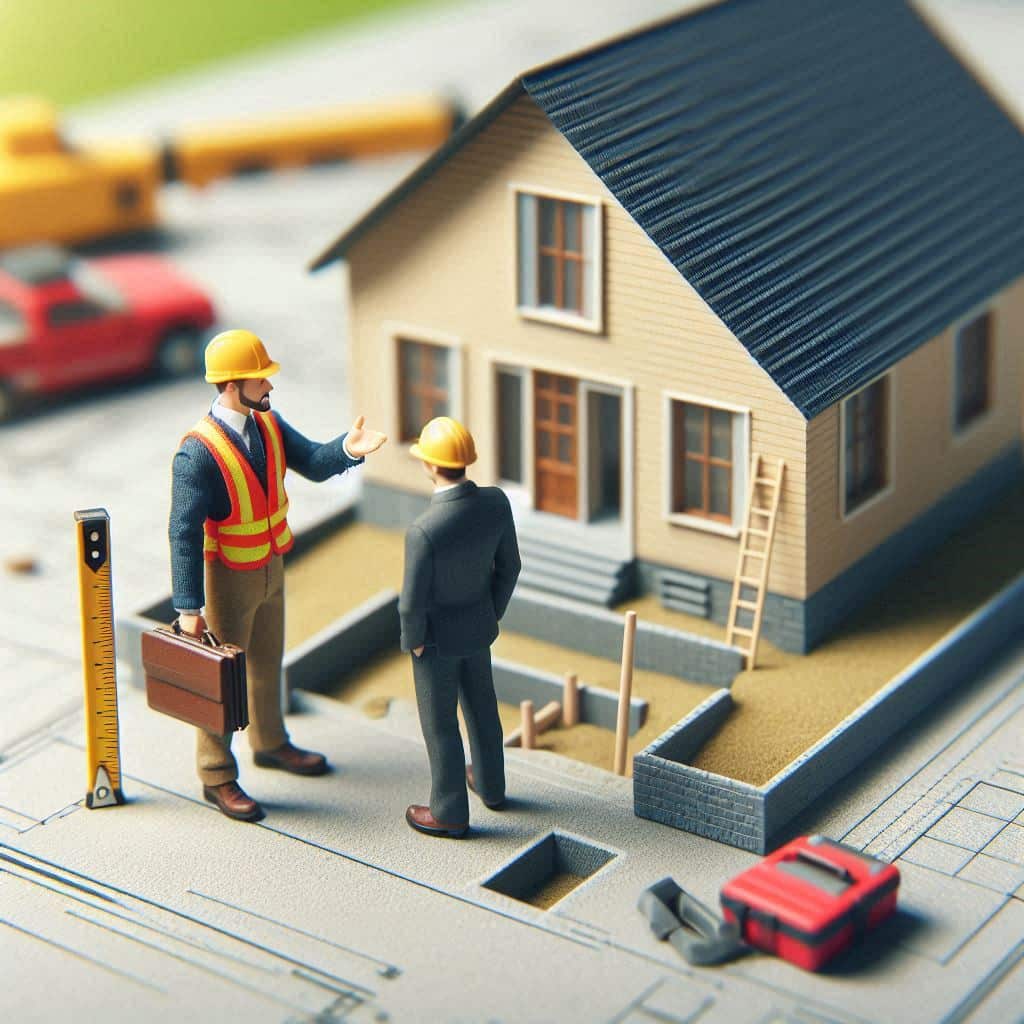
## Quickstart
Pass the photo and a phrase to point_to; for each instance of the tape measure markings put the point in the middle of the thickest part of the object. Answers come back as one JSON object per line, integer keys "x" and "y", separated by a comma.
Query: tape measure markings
{"x": 103, "y": 752}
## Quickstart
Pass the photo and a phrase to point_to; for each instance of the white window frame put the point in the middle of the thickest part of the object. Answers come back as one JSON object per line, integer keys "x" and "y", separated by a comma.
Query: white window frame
{"x": 520, "y": 489}
{"x": 847, "y": 514}
{"x": 740, "y": 462}
{"x": 524, "y": 197}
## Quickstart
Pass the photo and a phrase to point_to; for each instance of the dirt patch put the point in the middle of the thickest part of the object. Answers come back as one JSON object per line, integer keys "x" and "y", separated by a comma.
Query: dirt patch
{"x": 782, "y": 708}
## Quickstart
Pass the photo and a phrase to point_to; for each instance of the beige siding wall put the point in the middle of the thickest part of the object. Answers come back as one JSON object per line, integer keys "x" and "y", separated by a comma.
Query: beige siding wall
{"x": 926, "y": 458}
{"x": 442, "y": 266}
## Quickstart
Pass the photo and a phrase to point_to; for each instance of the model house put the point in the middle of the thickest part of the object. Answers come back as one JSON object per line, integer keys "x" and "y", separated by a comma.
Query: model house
{"x": 774, "y": 228}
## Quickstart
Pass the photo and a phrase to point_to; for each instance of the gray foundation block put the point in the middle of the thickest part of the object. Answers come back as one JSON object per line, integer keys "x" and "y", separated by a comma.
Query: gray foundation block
{"x": 599, "y": 632}
{"x": 668, "y": 790}
{"x": 345, "y": 645}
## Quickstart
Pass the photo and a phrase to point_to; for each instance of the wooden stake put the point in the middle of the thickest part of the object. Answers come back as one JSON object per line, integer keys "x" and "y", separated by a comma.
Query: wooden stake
{"x": 529, "y": 727}
{"x": 570, "y": 700}
{"x": 625, "y": 691}
{"x": 542, "y": 721}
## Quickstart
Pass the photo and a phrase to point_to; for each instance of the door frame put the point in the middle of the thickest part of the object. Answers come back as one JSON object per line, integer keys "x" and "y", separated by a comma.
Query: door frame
{"x": 522, "y": 491}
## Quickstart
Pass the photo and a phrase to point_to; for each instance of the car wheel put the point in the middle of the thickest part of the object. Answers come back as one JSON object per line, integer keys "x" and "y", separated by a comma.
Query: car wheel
{"x": 180, "y": 353}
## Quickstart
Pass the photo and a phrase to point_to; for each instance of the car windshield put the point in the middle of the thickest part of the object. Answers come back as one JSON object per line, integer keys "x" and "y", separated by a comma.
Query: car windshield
{"x": 12, "y": 326}
{"x": 92, "y": 284}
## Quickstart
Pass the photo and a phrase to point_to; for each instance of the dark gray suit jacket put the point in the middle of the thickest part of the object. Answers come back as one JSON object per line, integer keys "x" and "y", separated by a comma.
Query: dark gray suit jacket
{"x": 461, "y": 566}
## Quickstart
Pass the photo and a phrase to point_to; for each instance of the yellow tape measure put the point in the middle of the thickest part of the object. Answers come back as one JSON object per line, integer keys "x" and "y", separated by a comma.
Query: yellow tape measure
{"x": 103, "y": 752}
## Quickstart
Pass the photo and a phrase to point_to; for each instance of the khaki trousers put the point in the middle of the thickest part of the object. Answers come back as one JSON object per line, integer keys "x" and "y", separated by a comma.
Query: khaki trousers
{"x": 246, "y": 607}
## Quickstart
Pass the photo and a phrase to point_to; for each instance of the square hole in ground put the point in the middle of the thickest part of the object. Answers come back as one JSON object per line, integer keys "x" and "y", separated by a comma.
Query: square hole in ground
{"x": 549, "y": 870}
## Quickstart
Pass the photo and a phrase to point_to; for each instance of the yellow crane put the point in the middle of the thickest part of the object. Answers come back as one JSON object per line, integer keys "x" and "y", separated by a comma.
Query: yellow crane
{"x": 53, "y": 191}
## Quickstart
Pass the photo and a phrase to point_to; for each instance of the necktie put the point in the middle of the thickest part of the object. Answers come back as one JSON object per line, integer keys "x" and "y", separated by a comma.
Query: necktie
{"x": 256, "y": 455}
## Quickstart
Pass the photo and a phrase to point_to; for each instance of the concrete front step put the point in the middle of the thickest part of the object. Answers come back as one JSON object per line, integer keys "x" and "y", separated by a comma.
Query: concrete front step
{"x": 570, "y": 572}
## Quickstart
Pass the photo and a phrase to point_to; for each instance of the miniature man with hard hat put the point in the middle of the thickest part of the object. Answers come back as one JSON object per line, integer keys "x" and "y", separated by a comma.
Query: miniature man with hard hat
{"x": 229, "y": 510}
{"x": 461, "y": 566}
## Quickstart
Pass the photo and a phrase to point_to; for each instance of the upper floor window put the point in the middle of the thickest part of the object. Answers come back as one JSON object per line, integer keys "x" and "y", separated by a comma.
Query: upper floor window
{"x": 559, "y": 259}
{"x": 865, "y": 444}
{"x": 424, "y": 385}
{"x": 973, "y": 371}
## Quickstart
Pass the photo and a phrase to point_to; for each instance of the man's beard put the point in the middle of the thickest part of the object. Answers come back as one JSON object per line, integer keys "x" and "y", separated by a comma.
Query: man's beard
{"x": 262, "y": 405}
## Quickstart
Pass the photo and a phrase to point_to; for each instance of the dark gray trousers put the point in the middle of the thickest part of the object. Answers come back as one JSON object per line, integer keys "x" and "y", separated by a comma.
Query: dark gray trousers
{"x": 441, "y": 685}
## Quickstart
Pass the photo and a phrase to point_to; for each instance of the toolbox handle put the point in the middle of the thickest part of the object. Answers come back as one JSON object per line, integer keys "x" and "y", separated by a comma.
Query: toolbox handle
{"x": 207, "y": 636}
{"x": 823, "y": 862}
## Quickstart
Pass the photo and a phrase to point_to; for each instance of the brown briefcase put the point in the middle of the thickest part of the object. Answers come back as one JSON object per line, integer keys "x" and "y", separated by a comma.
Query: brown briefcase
{"x": 197, "y": 680}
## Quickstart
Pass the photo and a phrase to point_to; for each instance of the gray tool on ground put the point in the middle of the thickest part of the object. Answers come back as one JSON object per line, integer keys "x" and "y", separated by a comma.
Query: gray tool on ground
{"x": 695, "y": 931}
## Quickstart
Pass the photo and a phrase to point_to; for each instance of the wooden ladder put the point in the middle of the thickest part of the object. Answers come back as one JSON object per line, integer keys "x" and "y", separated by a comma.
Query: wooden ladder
{"x": 762, "y": 508}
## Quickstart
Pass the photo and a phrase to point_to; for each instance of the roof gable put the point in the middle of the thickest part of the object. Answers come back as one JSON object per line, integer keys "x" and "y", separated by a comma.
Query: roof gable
{"x": 830, "y": 179}
{"x": 827, "y": 176}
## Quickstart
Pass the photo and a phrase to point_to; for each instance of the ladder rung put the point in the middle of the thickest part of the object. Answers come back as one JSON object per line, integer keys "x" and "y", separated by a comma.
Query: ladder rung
{"x": 750, "y": 581}
{"x": 760, "y": 511}
{"x": 766, "y": 480}
{"x": 751, "y": 606}
{"x": 756, "y": 532}
{"x": 742, "y": 632}
{"x": 749, "y": 553}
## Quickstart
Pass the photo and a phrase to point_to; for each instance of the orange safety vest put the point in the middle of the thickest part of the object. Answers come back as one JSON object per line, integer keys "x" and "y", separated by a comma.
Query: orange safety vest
{"x": 257, "y": 526}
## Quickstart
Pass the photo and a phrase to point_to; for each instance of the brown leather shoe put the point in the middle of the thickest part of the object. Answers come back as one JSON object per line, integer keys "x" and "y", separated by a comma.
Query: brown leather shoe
{"x": 232, "y": 800}
{"x": 420, "y": 818}
{"x": 289, "y": 758}
{"x": 498, "y": 805}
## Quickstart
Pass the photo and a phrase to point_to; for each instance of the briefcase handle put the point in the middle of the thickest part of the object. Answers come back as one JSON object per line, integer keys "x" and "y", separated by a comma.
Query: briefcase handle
{"x": 207, "y": 636}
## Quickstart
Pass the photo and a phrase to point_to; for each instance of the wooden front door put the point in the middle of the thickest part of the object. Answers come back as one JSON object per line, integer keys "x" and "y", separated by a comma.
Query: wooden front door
{"x": 556, "y": 444}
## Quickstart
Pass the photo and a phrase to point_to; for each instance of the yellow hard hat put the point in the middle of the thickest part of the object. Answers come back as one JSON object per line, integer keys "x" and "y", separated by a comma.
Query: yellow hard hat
{"x": 237, "y": 355}
{"x": 445, "y": 442}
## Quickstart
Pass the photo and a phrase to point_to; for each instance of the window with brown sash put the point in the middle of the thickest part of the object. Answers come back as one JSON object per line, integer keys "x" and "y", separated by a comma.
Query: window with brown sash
{"x": 424, "y": 387}
{"x": 703, "y": 461}
{"x": 560, "y": 254}
{"x": 559, "y": 272}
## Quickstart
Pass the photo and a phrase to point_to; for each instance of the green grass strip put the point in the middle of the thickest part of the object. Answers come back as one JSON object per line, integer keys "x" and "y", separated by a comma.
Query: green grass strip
{"x": 73, "y": 50}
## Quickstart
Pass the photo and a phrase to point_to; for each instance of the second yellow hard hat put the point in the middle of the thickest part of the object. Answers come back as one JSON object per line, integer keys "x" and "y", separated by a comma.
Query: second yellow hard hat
{"x": 237, "y": 355}
{"x": 445, "y": 442}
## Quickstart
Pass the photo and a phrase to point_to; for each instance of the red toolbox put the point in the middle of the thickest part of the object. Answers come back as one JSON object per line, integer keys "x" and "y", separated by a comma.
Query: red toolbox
{"x": 809, "y": 899}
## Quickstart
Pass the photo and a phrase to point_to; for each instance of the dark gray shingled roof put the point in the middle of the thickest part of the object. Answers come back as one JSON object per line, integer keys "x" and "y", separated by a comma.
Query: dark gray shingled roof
{"x": 831, "y": 180}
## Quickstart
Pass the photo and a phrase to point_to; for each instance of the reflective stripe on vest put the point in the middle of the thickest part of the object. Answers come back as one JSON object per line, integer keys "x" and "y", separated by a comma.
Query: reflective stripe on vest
{"x": 257, "y": 525}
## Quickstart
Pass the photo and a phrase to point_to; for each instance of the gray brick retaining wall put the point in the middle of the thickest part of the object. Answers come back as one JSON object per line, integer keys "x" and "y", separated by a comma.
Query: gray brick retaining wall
{"x": 668, "y": 790}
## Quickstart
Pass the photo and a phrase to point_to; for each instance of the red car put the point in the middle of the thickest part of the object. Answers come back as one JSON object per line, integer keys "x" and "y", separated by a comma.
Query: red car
{"x": 66, "y": 322}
